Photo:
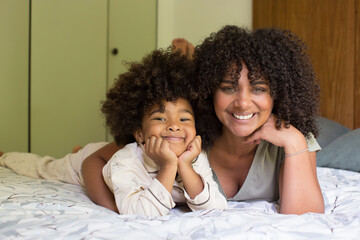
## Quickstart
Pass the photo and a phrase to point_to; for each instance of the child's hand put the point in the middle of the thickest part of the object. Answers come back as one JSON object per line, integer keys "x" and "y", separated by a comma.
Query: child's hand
{"x": 158, "y": 150}
{"x": 191, "y": 153}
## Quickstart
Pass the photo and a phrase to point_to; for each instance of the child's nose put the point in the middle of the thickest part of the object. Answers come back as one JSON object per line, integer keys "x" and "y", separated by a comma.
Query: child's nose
{"x": 173, "y": 126}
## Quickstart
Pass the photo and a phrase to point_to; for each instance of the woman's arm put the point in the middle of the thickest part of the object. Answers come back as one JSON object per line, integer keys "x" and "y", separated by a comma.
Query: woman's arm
{"x": 91, "y": 168}
{"x": 298, "y": 184}
{"x": 299, "y": 187}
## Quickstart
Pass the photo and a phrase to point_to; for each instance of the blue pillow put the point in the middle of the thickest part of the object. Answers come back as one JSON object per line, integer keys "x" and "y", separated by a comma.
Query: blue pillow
{"x": 342, "y": 153}
{"x": 329, "y": 131}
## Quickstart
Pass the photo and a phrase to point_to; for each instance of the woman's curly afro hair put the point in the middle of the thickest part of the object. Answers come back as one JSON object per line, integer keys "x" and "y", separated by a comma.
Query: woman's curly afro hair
{"x": 161, "y": 75}
{"x": 276, "y": 55}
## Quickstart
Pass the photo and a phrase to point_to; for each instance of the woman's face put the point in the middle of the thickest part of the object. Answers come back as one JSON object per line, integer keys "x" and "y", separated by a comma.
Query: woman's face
{"x": 245, "y": 107}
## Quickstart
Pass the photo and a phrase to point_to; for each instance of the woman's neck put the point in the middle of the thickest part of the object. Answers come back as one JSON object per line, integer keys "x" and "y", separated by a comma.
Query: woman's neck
{"x": 230, "y": 152}
{"x": 234, "y": 145}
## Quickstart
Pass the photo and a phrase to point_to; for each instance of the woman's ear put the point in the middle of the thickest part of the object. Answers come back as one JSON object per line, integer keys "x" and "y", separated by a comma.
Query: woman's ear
{"x": 139, "y": 136}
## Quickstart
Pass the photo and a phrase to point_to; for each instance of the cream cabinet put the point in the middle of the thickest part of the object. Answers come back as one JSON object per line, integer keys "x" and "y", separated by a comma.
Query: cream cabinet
{"x": 70, "y": 66}
{"x": 14, "y": 71}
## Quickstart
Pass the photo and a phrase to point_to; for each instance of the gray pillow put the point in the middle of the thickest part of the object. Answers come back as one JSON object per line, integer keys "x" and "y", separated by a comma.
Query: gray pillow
{"x": 342, "y": 153}
{"x": 329, "y": 131}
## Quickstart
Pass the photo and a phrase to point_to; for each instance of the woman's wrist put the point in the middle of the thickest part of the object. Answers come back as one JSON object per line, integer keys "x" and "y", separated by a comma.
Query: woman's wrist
{"x": 297, "y": 153}
{"x": 296, "y": 145}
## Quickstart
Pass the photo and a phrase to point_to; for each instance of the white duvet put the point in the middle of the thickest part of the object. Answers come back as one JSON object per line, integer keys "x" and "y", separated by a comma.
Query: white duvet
{"x": 41, "y": 209}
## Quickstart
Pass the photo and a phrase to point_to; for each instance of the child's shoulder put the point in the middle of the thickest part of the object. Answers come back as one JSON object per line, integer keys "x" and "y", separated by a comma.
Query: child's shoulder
{"x": 128, "y": 151}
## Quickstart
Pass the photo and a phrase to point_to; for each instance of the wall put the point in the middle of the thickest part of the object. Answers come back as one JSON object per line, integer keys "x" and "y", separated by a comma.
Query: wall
{"x": 196, "y": 19}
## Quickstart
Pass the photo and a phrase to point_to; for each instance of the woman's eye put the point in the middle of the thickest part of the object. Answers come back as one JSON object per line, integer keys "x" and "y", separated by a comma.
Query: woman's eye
{"x": 259, "y": 90}
{"x": 228, "y": 89}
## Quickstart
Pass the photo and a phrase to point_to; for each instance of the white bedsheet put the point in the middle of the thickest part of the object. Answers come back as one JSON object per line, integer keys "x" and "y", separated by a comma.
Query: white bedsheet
{"x": 41, "y": 209}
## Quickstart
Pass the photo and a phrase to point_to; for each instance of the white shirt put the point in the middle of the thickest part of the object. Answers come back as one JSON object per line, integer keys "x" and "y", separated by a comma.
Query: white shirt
{"x": 131, "y": 176}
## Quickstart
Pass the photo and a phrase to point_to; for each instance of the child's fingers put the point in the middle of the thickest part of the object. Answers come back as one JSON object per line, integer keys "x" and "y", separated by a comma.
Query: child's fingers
{"x": 197, "y": 142}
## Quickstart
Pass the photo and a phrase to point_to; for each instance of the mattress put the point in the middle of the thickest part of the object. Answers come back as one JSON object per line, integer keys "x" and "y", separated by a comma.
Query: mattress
{"x": 42, "y": 209}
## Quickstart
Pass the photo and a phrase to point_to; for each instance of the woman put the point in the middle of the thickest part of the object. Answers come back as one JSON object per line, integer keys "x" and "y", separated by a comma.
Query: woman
{"x": 257, "y": 111}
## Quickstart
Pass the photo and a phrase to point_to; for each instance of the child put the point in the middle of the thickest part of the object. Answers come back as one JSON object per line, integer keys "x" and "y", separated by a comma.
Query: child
{"x": 147, "y": 109}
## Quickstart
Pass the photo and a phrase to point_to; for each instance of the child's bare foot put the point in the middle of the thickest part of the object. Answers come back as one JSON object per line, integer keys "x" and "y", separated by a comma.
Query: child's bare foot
{"x": 1, "y": 153}
{"x": 186, "y": 48}
{"x": 76, "y": 148}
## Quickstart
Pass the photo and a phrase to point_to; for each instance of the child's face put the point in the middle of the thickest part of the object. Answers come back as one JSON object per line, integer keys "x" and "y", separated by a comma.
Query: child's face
{"x": 175, "y": 123}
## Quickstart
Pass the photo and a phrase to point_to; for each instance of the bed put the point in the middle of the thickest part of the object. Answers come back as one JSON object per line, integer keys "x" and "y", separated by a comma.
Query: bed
{"x": 42, "y": 209}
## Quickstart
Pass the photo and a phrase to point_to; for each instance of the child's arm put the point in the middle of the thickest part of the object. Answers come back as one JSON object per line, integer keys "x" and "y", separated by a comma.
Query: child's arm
{"x": 91, "y": 168}
{"x": 158, "y": 150}
{"x": 191, "y": 180}
{"x": 298, "y": 184}
{"x": 136, "y": 189}
{"x": 201, "y": 191}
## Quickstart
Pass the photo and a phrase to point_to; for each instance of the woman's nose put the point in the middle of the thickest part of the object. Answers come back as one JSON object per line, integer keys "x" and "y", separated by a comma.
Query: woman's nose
{"x": 243, "y": 99}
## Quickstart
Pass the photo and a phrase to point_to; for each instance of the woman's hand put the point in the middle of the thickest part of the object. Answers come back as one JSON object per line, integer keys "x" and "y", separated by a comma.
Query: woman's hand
{"x": 291, "y": 139}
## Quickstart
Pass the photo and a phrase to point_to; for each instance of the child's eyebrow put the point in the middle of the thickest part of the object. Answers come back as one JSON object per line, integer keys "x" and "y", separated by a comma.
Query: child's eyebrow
{"x": 181, "y": 110}
{"x": 187, "y": 111}
{"x": 156, "y": 111}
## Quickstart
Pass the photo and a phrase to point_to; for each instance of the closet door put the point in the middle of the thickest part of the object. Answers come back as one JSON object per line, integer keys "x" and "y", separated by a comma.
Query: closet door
{"x": 68, "y": 74}
{"x": 132, "y": 33}
{"x": 14, "y": 71}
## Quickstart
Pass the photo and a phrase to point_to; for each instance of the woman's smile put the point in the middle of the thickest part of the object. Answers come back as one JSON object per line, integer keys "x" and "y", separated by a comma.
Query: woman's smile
{"x": 243, "y": 116}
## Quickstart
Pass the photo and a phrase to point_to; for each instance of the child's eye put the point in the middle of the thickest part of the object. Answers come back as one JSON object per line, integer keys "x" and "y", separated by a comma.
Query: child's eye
{"x": 184, "y": 119}
{"x": 159, "y": 119}
{"x": 228, "y": 89}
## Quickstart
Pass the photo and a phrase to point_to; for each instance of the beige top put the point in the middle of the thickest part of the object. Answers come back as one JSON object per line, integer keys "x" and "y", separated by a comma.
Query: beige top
{"x": 262, "y": 181}
{"x": 131, "y": 175}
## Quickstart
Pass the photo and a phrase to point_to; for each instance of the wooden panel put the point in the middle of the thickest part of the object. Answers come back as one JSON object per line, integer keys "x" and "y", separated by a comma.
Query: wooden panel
{"x": 327, "y": 27}
{"x": 68, "y": 74}
{"x": 14, "y": 71}
{"x": 357, "y": 65}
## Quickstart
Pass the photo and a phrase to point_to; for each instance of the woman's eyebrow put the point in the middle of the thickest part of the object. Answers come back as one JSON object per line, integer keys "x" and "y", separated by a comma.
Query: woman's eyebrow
{"x": 256, "y": 82}
{"x": 227, "y": 81}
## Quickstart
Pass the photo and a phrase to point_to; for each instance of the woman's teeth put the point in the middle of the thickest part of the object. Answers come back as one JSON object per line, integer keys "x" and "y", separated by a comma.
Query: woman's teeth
{"x": 243, "y": 117}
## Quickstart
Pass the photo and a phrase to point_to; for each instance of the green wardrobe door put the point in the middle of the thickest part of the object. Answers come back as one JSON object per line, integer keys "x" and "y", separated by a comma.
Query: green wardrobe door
{"x": 14, "y": 65}
{"x": 68, "y": 74}
{"x": 132, "y": 32}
